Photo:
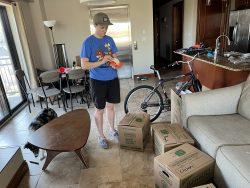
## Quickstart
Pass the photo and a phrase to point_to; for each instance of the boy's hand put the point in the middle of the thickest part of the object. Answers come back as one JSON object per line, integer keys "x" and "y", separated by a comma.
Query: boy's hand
{"x": 106, "y": 59}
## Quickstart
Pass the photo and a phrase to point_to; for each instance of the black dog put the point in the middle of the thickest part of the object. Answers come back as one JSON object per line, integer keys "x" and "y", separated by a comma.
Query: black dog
{"x": 42, "y": 118}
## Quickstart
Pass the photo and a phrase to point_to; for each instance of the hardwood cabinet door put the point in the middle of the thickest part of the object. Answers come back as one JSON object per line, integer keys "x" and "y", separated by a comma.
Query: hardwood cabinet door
{"x": 212, "y": 21}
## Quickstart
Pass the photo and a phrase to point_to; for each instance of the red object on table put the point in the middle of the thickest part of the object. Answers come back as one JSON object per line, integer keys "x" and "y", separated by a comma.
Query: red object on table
{"x": 62, "y": 70}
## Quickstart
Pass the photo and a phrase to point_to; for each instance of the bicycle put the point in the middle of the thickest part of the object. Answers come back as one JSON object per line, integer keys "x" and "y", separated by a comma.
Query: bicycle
{"x": 150, "y": 99}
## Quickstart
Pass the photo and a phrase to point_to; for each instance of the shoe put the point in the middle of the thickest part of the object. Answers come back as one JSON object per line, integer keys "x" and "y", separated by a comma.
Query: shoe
{"x": 114, "y": 135}
{"x": 103, "y": 143}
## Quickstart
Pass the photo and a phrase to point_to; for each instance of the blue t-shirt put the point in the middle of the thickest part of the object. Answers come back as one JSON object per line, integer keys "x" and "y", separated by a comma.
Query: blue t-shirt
{"x": 94, "y": 49}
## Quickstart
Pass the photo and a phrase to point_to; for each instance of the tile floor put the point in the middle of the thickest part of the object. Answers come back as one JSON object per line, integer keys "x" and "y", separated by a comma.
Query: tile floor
{"x": 110, "y": 168}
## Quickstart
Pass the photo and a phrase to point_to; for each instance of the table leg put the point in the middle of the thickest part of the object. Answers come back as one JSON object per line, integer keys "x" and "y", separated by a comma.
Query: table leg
{"x": 50, "y": 156}
{"x": 78, "y": 152}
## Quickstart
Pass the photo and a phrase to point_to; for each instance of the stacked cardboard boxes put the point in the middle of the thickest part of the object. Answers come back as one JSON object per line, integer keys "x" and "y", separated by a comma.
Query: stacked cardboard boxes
{"x": 183, "y": 167}
{"x": 167, "y": 136}
{"x": 134, "y": 131}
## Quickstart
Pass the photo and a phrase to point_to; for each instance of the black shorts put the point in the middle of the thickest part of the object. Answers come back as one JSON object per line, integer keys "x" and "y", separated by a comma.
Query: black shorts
{"x": 105, "y": 91}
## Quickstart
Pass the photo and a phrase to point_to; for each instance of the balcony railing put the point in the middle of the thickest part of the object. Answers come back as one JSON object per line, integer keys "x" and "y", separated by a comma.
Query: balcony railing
{"x": 8, "y": 76}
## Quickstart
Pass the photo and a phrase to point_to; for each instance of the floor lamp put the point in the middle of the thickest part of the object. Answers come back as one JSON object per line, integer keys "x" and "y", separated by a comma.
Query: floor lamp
{"x": 50, "y": 24}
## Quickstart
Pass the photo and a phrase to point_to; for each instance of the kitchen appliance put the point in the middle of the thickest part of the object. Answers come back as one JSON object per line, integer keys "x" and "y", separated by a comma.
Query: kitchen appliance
{"x": 239, "y": 30}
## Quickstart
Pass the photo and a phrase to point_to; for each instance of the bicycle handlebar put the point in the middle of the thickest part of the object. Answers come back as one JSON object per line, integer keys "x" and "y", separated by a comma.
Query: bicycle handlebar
{"x": 175, "y": 63}
{"x": 152, "y": 67}
{"x": 183, "y": 62}
{"x": 155, "y": 70}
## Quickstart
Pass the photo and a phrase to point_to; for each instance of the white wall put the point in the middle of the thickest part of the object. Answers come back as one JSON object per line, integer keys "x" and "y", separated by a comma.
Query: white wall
{"x": 42, "y": 44}
{"x": 73, "y": 26}
{"x": 190, "y": 22}
{"x": 141, "y": 16}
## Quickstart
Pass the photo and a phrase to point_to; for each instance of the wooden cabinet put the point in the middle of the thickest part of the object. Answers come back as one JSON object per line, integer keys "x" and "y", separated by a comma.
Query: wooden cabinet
{"x": 242, "y": 4}
{"x": 212, "y": 21}
{"x": 214, "y": 77}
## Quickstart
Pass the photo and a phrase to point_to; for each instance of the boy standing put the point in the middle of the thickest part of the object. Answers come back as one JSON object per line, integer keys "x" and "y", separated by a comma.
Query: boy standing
{"x": 97, "y": 50}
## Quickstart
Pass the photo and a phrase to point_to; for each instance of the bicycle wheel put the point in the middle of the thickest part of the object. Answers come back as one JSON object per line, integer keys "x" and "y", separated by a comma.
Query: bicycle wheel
{"x": 144, "y": 99}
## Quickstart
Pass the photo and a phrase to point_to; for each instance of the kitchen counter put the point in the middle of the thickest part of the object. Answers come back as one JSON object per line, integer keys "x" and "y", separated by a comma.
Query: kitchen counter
{"x": 213, "y": 75}
{"x": 220, "y": 62}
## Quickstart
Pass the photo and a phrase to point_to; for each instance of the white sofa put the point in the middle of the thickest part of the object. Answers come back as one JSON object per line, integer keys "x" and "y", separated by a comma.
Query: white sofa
{"x": 219, "y": 120}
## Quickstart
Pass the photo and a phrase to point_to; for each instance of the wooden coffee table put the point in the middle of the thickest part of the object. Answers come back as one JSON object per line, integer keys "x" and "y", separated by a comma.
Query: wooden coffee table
{"x": 66, "y": 133}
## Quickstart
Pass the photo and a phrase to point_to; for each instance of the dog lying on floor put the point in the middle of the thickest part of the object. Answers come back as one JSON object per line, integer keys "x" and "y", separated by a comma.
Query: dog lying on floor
{"x": 45, "y": 116}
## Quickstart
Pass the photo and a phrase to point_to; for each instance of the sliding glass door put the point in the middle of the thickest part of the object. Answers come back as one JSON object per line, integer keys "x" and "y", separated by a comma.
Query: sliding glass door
{"x": 4, "y": 105}
{"x": 11, "y": 96}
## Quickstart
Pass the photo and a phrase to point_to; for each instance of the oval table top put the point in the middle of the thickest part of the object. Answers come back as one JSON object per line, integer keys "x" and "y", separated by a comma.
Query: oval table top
{"x": 68, "y": 132}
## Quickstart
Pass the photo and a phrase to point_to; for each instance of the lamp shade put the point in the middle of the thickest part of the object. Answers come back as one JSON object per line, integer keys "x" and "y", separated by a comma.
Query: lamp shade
{"x": 50, "y": 23}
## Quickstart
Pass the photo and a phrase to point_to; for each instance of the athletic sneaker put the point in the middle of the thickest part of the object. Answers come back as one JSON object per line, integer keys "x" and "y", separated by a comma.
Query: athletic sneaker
{"x": 114, "y": 135}
{"x": 103, "y": 143}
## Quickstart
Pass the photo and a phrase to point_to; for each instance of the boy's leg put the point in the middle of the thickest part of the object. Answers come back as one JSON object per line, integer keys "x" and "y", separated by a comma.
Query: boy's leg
{"x": 112, "y": 98}
{"x": 99, "y": 121}
{"x": 98, "y": 89}
{"x": 111, "y": 115}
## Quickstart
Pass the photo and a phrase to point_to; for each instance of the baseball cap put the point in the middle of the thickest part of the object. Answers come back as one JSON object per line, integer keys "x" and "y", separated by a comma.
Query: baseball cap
{"x": 102, "y": 19}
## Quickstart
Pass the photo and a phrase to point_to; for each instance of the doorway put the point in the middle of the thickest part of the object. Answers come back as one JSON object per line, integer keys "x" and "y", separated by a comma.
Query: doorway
{"x": 121, "y": 33}
{"x": 168, "y": 30}
{"x": 11, "y": 97}
{"x": 177, "y": 28}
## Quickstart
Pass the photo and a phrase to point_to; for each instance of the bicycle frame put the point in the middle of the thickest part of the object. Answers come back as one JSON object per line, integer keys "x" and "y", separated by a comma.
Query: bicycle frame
{"x": 154, "y": 96}
{"x": 190, "y": 82}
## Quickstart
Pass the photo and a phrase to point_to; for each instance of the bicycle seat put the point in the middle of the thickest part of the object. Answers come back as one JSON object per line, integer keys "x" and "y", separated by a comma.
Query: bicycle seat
{"x": 152, "y": 67}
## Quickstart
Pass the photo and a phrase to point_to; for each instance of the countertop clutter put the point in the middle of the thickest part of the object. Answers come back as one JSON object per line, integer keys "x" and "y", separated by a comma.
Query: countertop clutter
{"x": 222, "y": 62}
{"x": 214, "y": 73}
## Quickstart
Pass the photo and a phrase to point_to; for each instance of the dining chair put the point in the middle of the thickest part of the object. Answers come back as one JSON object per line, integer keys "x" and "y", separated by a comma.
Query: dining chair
{"x": 50, "y": 78}
{"x": 75, "y": 85}
{"x": 26, "y": 88}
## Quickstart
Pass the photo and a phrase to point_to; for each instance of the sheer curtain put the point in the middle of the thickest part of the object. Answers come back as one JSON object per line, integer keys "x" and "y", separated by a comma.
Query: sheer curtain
{"x": 22, "y": 24}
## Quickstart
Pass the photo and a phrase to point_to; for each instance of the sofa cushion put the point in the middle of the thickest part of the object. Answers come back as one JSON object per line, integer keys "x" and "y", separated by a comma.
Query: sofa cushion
{"x": 232, "y": 167}
{"x": 211, "y": 132}
{"x": 244, "y": 103}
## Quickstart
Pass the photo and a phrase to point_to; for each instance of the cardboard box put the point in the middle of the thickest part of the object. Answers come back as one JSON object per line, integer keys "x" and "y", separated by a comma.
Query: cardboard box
{"x": 175, "y": 108}
{"x": 183, "y": 167}
{"x": 134, "y": 130}
{"x": 210, "y": 185}
{"x": 168, "y": 136}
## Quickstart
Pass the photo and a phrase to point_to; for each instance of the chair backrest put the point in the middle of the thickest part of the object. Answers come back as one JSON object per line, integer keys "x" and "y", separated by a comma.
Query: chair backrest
{"x": 50, "y": 76}
{"x": 76, "y": 74}
{"x": 21, "y": 77}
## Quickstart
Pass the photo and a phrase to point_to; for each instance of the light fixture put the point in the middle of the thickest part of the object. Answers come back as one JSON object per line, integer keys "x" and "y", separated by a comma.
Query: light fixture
{"x": 50, "y": 24}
